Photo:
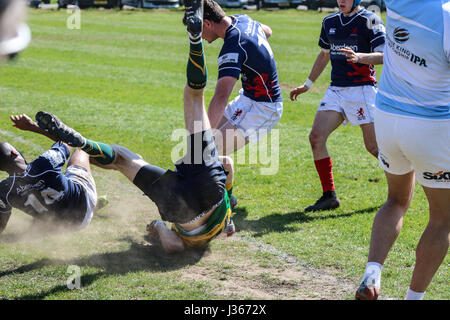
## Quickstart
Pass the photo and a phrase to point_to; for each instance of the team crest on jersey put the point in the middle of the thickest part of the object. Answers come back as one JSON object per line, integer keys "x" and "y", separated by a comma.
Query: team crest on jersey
{"x": 228, "y": 58}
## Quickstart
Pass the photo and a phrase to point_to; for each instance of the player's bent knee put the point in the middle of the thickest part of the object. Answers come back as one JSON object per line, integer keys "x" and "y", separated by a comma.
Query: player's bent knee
{"x": 316, "y": 139}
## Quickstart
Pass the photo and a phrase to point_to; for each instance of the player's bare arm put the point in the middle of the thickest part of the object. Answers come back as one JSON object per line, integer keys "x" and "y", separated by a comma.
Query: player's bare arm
{"x": 25, "y": 123}
{"x": 364, "y": 58}
{"x": 319, "y": 65}
{"x": 218, "y": 103}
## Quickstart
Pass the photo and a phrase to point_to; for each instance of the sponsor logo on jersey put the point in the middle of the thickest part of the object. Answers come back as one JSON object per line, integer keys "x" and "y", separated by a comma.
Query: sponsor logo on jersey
{"x": 332, "y": 31}
{"x": 228, "y": 58}
{"x": 440, "y": 176}
{"x": 336, "y": 47}
{"x": 25, "y": 188}
{"x": 401, "y": 35}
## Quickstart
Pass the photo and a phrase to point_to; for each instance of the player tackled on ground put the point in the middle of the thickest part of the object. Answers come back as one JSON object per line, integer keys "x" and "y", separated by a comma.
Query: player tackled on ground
{"x": 194, "y": 196}
{"x": 40, "y": 189}
{"x": 353, "y": 39}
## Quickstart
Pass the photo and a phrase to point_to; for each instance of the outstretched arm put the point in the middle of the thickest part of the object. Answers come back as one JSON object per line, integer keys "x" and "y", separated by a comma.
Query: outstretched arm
{"x": 24, "y": 122}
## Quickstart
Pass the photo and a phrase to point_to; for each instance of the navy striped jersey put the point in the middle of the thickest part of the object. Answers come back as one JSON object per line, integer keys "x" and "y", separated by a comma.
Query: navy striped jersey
{"x": 362, "y": 32}
{"x": 42, "y": 190}
{"x": 247, "y": 52}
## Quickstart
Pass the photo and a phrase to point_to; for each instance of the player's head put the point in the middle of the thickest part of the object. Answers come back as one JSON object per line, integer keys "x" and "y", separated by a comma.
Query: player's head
{"x": 347, "y": 6}
{"x": 11, "y": 160}
{"x": 212, "y": 16}
{"x": 14, "y": 33}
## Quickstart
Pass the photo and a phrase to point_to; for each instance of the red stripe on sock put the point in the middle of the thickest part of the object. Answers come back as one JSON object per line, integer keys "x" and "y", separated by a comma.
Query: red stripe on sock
{"x": 325, "y": 170}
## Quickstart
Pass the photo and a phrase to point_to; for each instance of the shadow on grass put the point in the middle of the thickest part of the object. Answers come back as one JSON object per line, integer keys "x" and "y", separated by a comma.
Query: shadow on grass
{"x": 278, "y": 222}
{"x": 139, "y": 257}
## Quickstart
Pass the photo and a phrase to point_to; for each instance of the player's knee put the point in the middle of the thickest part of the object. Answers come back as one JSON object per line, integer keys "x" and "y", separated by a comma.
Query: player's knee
{"x": 400, "y": 202}
{"x": 373, "y": 150}
{"x": 316, "y": 139}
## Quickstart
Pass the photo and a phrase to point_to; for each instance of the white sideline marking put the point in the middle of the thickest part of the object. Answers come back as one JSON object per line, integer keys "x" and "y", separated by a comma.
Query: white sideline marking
{"x": 21, "y": 140}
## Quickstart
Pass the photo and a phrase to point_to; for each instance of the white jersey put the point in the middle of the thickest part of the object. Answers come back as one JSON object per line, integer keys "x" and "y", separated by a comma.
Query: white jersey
{"x": 416, "y": 76}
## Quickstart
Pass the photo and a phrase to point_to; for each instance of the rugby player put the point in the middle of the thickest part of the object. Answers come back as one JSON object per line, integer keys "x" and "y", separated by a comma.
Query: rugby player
{"x": 245, "y": 53}
{"x": 353, "y": 39}
{"x": 412, "y": 126}
{"x": 40, "y": 189}
{"x": 194, "y": 197}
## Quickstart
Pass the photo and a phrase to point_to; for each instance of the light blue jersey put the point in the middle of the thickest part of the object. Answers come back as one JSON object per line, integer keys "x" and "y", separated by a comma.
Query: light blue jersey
{"x": 416, "y": 76}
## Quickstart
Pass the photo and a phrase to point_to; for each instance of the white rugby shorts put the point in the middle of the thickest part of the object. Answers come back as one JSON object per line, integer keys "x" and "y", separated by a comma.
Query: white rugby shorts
{"x": 407, "y": 143}
{"x": 80, "y": 176}
{"x": 252, "y": 118}
{"x": 356, "y": 104}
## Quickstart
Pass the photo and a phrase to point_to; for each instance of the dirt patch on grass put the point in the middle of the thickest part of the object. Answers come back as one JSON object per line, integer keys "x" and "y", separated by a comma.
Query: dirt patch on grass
{"x": 255, "y": 278}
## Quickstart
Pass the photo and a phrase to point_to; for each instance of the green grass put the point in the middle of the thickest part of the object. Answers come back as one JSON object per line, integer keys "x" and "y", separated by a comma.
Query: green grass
{"x": 120, "y": 80}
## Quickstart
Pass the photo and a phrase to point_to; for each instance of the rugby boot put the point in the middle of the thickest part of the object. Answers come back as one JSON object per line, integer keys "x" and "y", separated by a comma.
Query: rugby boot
{"x": 194, "y": 17}
{"x": 367, "y": 291}
{"x": 55, "y": 127}
{"x": 328, "y": 201}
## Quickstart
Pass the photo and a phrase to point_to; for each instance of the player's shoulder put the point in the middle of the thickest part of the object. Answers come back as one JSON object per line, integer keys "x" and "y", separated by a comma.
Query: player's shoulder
{"x": 331, "y": 17}
{"x": 367, "y": 15}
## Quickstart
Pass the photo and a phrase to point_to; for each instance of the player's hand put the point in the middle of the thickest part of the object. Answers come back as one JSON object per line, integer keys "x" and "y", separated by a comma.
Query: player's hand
{"x": 351, "y": 55}
{"x": 298, "y": 91}
{"x": 152, "y": 230}
{"x": 23, "y": 122}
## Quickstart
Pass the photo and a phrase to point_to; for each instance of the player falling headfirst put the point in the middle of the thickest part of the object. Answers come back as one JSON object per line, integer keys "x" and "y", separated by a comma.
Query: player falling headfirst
{"x": 194, "y": 196}
{"x": 353, "y": 39}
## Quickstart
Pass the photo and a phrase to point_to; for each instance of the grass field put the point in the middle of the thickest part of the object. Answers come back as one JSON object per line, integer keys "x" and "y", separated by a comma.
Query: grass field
{"x": 119, "y": 79}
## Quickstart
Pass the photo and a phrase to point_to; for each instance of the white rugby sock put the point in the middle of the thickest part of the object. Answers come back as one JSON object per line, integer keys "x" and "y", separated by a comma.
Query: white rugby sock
{"x": 412, "y": 295}
{"x": 372, "y": 275}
